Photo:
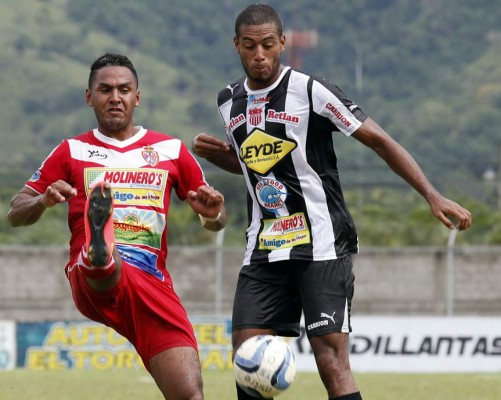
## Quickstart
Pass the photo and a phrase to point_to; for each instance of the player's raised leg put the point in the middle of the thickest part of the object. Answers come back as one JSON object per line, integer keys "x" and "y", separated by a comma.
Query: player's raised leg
{"x": 99, "y": 226}
{"x": 100, "y": 262}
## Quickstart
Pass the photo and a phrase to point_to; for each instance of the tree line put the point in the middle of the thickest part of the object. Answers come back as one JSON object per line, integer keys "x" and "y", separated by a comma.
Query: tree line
{"x": 430, "y": 78}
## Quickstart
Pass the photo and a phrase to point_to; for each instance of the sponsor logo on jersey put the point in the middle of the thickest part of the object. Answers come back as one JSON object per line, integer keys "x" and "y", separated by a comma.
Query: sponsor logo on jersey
{"x": 284, "y": 232}
{"x": 255, "y": 115}
{"x": 324, "y": 322}
{"x": 132, "y": 223}
{"x": 257, "y": 100}
{"x": 136, "y": 226}
{"x": 317, "y": 324}
{"x": 342, "y": 118}
{"x": 271, "y": 194}
{"x": 141, "y": 258}
{"x": 236, "y": 122}
{"x": 232, "y": 88}
{"x": 331, "y": 317}
{"x": 135, "y": 186}
{"x": 136, "y": 178}
{"x": 150, "y": 155}
{"x": 36, "y": 176}
{"x": 93, "y": 154}
{"x": 281, "y": 117}
{"x": 261, "y": 152}
{"x": 128, "y": 197}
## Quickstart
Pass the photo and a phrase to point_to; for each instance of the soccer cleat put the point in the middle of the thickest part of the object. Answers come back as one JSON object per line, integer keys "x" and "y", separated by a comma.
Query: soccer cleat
{"x": 100, "y": 238}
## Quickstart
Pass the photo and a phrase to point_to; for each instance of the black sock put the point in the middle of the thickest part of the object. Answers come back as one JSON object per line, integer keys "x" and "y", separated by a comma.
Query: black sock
{"x": 352, "y": 396}
{"x": 242, "y": 395}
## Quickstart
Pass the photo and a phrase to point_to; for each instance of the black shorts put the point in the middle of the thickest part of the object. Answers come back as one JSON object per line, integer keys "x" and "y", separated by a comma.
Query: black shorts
{"x": 273, "y": 296}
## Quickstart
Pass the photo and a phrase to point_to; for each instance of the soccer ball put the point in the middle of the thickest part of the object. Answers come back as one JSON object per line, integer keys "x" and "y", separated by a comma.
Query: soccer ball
{"x": 264, "y": 366}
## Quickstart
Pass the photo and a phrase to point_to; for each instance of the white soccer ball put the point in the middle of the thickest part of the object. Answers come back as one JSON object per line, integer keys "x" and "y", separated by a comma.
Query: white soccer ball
{"x": 264, "y": 366}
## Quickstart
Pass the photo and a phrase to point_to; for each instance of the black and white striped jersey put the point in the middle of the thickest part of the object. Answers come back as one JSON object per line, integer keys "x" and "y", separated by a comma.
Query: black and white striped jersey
{"x": 283, "y": 137}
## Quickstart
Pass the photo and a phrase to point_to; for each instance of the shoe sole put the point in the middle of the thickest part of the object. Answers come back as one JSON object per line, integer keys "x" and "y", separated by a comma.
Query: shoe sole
{"x": 100, "y": 210}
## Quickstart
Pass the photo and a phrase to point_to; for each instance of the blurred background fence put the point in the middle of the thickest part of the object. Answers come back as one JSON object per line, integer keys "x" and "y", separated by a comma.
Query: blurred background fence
{"x": 389, "y": 281}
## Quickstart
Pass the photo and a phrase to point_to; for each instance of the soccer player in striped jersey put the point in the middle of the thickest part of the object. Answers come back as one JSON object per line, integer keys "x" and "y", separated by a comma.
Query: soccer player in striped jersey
{"x": 300, "y": 236}
{"x": 117, "y": 181}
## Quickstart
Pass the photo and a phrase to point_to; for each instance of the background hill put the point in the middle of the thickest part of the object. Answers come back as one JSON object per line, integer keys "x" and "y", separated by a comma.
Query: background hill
{"x": 429, "y": 71}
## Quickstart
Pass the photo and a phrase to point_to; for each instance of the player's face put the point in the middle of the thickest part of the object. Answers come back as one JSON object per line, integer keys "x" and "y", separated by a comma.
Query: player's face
{"x": 260, "y": 48}
{"x": 114, "y": 96}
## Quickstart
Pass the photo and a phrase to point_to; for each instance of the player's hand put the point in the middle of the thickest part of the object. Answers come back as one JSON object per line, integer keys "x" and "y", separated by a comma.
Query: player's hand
{"x": 206, "y": 201}
{"x": 204, "y": 145}
{"x": 451, "y": 213}
{"x": 59, "y": 192}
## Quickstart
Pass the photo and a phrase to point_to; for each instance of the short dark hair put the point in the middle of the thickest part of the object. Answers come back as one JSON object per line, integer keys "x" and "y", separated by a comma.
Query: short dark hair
{"x": 258, "y": 14}
{"x": 111, "y": 60}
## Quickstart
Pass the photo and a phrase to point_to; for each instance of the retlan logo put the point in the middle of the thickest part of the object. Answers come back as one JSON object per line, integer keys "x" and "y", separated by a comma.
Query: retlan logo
{"x": 261, "y": 152}
{"x": 282, "y": 117}
{"x": 236, "y": 122}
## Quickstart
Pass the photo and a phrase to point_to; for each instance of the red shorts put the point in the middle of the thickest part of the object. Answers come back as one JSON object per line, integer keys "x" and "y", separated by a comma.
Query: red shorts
{"x": 143, "y": 309}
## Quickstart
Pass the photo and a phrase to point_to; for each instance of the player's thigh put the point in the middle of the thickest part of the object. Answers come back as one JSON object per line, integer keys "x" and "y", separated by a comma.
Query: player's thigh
{"x": 327, "y": 291}
{"x": 267, "y": 298}
{"x": 177, "y": 373}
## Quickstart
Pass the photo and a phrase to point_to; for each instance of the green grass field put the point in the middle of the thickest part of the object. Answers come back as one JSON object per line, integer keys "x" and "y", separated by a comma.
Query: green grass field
{"x": 132, "y": 385}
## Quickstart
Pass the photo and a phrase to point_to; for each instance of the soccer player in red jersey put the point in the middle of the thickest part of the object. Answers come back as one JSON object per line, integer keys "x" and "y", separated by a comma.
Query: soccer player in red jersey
{"x": 117, "y": 181}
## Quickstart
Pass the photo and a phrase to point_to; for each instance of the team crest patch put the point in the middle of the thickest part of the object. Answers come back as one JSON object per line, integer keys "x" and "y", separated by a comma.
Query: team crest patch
{"x": 255, "y": 116}
{"x": 150, "y": 155}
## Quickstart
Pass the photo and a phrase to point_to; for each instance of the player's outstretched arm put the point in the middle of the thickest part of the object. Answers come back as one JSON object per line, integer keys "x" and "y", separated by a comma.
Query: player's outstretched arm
{"x": 216, "y": 152}
{"x": 27, "y": 206}
{"x": 402, "y": 163}
{"x": 208, "y": 203}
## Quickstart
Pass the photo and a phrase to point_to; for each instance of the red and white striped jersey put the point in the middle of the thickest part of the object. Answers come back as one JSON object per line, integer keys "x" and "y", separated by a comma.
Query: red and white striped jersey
{"x": 283, "y": 137}
{"x": 142, "y": 172}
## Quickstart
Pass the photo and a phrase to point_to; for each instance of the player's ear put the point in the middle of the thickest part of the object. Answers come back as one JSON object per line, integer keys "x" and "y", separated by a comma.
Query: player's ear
{"x": 235, "y": 42}
{"x": 138, "y": 98}
{"x": 283, "y": 40}
{"x": 88, "y": 97}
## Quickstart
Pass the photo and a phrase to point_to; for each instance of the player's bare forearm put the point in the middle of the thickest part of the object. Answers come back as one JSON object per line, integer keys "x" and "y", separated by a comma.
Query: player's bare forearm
{"x": 404, "y": 165}
{"x": 228, "y": 162}
{"x": 27, "y": 206}
{"x": 25, "y": 209}
{"x": 217, "y": 152}
{"x": 397, "y": 158}
{"x": 450, "y": 213}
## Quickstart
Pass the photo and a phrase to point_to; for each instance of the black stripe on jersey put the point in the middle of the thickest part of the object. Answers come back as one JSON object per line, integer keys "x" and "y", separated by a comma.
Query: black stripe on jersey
{"x": 236, "y": 92}
{"x": 239, "y": 106}
{"x": 321, "y": 156}
{"x": 227, "y": 93}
